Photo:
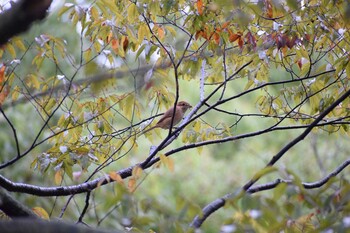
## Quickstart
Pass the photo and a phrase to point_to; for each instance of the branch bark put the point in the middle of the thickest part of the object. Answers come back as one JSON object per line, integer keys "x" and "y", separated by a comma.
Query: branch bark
{"x": 13, "y": 208}
{"x": 28, "y": 225}
{"x": 20, "y": 16}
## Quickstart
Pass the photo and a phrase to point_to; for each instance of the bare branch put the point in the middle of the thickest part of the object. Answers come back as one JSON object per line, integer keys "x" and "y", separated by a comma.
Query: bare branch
{"x": 197, "y": 222}
{"x": 87, "y": 202}
{"x": 13, "y": 131}
{"x": 220, "y": 202}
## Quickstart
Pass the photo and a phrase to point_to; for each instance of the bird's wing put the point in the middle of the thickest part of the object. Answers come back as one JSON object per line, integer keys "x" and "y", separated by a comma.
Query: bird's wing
{"x": 166, "y": 115}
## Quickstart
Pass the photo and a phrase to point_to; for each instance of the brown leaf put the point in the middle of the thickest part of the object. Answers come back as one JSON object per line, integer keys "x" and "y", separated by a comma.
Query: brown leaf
{"x": 299, "y": 63}
{"x": 125, "y": 41}
{"x": 233, "y": 37}
{"x": 240, "y": 42}
{"x": 251, "y": 39}
{"x": 291, "y": 42}
{"x": 198, "y": 34}
{"x": 216, "y": 37}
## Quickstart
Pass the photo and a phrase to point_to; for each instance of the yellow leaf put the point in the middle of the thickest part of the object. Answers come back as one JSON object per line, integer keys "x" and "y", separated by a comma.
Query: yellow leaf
{"x": 163, "y": 159}
{"x": 11, "y": 50}
{"x": 197, "y": 126}
{"x": 142, "y": 32}
{"x": 171, "y": 30}
{"x": 41, "y": 213}
{"x": 129, "y": 101}
{"x": 136, "y": 172}
{"x": 116, "y": 177}
{"x": 132, "y": 13}
{"x": 199, "y": 150}
{"x": 32, "y": 81}
{"x": 50, "y": 105}
{"x": 132, "y": 185}
{"x": 168, "y": 162}
{"x": 18, "y": 42}
{"x": 94, "y": 13}
{"x": 58, "y": 177}
{"x": 171, "y": 164}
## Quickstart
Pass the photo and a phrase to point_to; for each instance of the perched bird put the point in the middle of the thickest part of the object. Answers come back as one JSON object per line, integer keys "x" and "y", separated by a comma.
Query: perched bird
{"x": 165, "y": 121}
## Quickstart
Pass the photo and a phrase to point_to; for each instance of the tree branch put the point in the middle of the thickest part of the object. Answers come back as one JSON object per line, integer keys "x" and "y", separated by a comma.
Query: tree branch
{"x": 220, "y": 202}
{"x": 27, "y": 225}
{"x": 13, "y": 208}
{"x": 197, "y": 222}
{"x": 20, "y": 16}
{"x": 306, "y": 185}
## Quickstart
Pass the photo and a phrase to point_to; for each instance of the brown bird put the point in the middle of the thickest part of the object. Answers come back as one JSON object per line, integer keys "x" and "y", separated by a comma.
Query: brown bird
{"x": 165, "y": 121}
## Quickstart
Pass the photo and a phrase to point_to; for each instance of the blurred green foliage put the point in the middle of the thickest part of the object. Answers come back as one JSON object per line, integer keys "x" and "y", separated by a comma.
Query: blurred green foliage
{"x": 69, "y": 46}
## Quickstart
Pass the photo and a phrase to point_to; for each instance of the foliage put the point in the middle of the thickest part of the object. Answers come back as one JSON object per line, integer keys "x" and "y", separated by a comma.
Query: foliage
{"x": 258, "y": 68}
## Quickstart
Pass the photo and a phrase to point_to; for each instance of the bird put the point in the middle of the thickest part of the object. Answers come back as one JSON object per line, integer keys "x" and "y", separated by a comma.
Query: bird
{"x": 165, "y": 121}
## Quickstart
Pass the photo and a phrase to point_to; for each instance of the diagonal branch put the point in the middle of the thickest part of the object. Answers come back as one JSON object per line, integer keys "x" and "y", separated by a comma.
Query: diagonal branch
{"x": 212, "y": 207}
{"x": 220, "y": 202}
{"x": 13, "y": 131}
{"x": 13, "y": 208}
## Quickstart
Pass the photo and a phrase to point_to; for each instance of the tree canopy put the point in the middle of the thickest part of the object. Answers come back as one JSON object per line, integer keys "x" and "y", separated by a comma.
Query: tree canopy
{"x": 266, "y": 137}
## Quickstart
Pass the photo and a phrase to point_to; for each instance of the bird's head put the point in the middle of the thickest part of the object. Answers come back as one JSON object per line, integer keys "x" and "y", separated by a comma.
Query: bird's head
{"x": 184, "y": 105}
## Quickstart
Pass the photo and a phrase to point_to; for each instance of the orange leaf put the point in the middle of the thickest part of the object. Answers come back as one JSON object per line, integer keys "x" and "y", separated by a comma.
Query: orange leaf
{"x": 2, "y": 74}
{"x": 161, "y": 32}
{"x": 4, "y": 93}
{"x": 116, "y": 177}
{"x": 132, "y": 185}
{"x": 225, "y": 25}
{"x": 233, "y": 37}
{"x": 115, "y": 45}
{"x": 216, "y": 37}
{"x": 200, "y": 7}
{"x": 269, "y": 10}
